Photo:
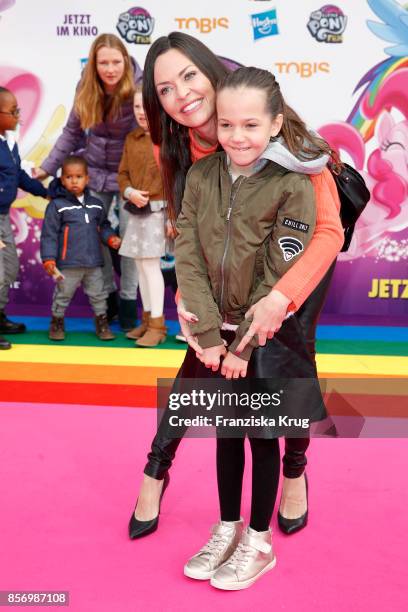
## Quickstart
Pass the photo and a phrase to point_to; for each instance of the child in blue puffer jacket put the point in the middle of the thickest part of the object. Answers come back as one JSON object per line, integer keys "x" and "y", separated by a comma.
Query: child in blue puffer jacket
{"x": 12, "y": 177}
{"x": 74, "y": 225}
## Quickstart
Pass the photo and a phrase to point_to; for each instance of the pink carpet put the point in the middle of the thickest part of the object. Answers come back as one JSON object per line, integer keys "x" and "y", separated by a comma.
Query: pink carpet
{"x": 68, "y": 480}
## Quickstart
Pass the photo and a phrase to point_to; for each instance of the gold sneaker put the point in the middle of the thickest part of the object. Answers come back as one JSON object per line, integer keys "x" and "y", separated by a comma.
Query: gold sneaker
{"x": 224, "y": 539}
{"x": 252, "y": 558}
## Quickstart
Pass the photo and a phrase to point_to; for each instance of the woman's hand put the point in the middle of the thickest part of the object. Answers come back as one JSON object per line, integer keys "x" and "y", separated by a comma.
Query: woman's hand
{"x": 139, "y": 198}
{"x": 210, "y": 357}
{"x": 39, "y": 173}
{"x": 267, "y": 317}
{"x": 234, "y": 367}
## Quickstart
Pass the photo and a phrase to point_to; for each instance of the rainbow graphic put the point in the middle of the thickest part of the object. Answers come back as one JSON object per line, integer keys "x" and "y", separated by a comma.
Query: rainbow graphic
{"x": 394, "y": 29}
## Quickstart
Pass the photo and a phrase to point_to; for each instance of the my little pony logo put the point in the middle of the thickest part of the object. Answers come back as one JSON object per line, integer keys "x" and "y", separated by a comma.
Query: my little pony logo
{"x": 136, "y": 26}
{"x": 327, "y": 24}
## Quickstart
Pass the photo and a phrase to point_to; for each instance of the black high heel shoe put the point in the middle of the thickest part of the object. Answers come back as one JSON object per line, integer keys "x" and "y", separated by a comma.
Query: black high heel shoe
{"x": 139, "y": 529}
{"x": 290, "y": 526}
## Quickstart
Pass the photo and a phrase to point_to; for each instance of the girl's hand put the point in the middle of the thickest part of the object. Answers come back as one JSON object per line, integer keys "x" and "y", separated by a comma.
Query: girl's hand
{"x": 185, "y": 318}
{"x": 210, "y": 357}
{"x": 234, "y": 367}
{"x": 170, "y": 230}
{"x": 267, "y": 317}
{"x": 39, "y": 173}
{"x": 139, "y": 198}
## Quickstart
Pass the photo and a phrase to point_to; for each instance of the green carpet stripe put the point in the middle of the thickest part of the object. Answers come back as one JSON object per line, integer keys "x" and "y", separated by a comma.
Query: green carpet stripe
{"x": 362, "y": 347}
{"x": 337, "y": 347}
{"x": 84, "y": 338}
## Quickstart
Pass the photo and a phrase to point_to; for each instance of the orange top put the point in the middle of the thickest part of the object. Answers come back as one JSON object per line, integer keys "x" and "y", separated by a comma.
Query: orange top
{"x": 304, "y": 276}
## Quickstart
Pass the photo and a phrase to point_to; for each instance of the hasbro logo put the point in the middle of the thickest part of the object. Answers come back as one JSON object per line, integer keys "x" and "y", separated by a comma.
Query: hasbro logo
{"x": 265, "y": 24}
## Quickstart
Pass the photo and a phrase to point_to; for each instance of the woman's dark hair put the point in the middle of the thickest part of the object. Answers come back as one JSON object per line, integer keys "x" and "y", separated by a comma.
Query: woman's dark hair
{"x": 172, "y": 137}
{"x": 299, "y": 140}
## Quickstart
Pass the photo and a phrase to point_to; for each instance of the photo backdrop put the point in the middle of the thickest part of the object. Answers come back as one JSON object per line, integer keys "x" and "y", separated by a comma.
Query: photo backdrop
{"x": 344, "y": 67}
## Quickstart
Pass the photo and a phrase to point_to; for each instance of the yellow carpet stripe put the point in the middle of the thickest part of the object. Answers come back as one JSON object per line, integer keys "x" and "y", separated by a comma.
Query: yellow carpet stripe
{"x": 86, "y": 355}
{"x": 328, "y": 364}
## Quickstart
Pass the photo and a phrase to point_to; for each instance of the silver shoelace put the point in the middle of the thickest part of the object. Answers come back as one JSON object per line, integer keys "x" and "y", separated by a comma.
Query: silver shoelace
{"x": 241, "y": 555}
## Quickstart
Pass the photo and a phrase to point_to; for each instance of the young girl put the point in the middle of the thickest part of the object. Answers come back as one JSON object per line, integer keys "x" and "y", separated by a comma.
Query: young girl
{"x": 244, "y": 221}
{"x": 144, "y": 240}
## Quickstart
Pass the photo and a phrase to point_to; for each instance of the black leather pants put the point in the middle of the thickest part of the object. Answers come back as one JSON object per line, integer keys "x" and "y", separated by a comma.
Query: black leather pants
{"x": 164, "y": 448}
{"x": 294, "y": 460}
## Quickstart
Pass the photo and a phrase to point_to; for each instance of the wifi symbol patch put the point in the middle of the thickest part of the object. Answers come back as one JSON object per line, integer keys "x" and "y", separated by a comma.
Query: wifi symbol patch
{"x": 290, "y": 247}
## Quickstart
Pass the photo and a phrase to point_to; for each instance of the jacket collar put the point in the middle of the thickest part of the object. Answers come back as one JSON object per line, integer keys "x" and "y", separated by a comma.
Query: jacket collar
{"x": 9, "y": 138}
{"x": 277, "y": 152}
{"x": 57, "y": 190}
{"x": 138, "y": 133}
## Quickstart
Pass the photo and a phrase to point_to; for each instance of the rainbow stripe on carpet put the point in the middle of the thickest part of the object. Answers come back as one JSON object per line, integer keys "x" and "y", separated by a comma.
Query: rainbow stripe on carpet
{"x": 85, "y": 370}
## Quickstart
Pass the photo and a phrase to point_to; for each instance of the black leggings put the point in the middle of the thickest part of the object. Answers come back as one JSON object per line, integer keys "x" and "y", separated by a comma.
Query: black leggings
{"x": 265, "y": 478}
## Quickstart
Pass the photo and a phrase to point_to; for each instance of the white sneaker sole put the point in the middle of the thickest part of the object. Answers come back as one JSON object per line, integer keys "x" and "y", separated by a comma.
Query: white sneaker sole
{"x": 198, "y": 575}
{"x": 238, "y": 586}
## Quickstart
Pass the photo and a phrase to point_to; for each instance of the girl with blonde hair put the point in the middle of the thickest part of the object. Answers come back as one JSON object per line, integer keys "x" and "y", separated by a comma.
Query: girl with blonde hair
{"x": 101, "y": 117}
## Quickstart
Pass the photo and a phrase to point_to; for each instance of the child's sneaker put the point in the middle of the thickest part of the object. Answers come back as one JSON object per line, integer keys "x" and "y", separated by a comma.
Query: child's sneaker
{"x": 57, "y": 330}
{"x": 224, "y": 539}
{"x": 252, "y": 558}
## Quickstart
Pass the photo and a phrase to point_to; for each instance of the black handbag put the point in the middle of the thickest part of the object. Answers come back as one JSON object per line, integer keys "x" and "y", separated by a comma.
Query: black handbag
{"x": 144, "y": 211}
{"x": 354, "y": 196}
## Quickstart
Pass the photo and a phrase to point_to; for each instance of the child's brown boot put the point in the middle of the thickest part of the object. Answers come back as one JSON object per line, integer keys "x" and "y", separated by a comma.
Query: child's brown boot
{"x": 137, "y": 332}
{"x": 102, "y": 328}
{"x": 155, "y": 334}
{"x": 57, "y": 330}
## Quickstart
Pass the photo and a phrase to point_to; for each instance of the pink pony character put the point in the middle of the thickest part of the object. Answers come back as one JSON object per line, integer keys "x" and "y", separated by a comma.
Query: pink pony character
{"x": 387, "y": 165}
{"x": 6, "y": 4}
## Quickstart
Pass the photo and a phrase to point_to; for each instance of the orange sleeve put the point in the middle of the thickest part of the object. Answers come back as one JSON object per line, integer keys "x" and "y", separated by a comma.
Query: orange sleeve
{"x": 156, "y": 154}
{"x": 328, "y": 238}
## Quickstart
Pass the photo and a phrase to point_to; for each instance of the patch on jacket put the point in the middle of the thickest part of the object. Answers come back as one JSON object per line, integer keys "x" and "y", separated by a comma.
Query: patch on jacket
{"x": 296, "y": 225}
{"x": 290, "y": 247}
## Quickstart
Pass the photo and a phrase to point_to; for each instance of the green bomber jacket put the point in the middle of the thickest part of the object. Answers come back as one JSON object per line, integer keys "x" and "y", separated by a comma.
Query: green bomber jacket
{"x": 235, "y": 240}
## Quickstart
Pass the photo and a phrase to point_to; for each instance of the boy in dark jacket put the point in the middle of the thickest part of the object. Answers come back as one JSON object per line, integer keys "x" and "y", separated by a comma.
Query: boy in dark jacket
{"x": 12, "y": 176}
{"x": 74, "y": 224}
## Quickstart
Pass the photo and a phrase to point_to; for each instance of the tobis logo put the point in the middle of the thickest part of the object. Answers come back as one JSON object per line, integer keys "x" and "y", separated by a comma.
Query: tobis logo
{"x": 327, "y": 24}
{"x": 303, "y": 69}
{"x": 203, "y": 24}
{"x": 136, "y": 26}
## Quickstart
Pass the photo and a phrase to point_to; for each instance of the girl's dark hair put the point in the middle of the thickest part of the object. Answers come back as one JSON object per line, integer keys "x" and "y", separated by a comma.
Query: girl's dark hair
{"x": 302, "y": 143}
{"x": 173, "y": 137}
